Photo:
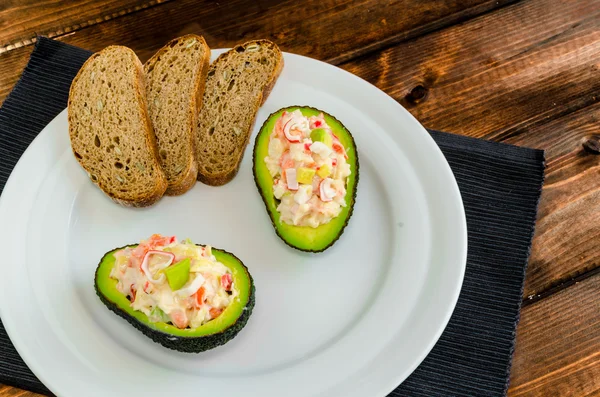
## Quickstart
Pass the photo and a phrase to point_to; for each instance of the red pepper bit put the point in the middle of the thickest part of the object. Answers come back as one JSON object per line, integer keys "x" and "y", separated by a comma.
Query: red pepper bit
{"x": 200, "y": 296}
{"x": 226, "y": 281}
{"x": 214, "y": 313}
{"x": 318, "y": 123}
{"x": 307, "y": 146}
{"x": 132, "y": 291}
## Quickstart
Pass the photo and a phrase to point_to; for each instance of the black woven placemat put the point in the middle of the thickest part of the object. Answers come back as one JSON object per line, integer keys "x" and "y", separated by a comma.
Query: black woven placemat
{"x": 500, "y": 187}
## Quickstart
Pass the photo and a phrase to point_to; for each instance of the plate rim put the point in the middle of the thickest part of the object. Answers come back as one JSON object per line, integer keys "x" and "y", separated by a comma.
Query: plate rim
{"x": 12, "y": 328}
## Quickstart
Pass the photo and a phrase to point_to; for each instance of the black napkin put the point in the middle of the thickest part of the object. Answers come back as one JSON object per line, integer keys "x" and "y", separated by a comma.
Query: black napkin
{"x": 500, "y": 186}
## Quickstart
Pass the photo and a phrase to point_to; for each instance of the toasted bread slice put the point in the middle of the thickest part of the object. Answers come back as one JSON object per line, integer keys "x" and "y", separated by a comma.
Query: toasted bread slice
{"x": 175, "y": 78}
{"x": 111, "y": 133}
{"x": 238, "y": 83}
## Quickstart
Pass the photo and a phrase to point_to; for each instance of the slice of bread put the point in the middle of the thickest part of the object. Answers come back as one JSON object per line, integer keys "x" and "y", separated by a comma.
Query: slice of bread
{"x": 175, "y": 78}
{"x": 111, "y": 133}
{"x": 238, "y": 83}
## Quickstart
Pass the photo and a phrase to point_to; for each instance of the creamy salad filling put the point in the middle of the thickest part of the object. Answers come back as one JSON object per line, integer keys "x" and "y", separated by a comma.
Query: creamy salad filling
{"x": 309, "y": 167}
{"x": 174, "y": 282}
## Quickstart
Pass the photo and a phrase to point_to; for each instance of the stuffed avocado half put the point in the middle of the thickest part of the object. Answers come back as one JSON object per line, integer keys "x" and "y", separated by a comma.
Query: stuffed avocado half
{"x": 306, "y": 169}
{"x": 184, "y": 296}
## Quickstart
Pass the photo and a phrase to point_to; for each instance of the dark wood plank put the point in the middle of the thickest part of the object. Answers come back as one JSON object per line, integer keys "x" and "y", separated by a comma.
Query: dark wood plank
{"x": 504, "y": 76}
{"x": 8, "y": 391}
{"x": 499, "y": 74}
{"x": 20, "y": 20}
{"x": 558, "y": 345}
{"x": 568, "y": 225}
{"x": 331, "y": 30}
{"x": 483, "y": 78}
{"x": 11, "y": 67}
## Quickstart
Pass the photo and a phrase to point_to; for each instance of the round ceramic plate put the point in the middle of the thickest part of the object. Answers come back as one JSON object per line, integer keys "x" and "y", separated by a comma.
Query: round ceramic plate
{"x": 355, "y": 320}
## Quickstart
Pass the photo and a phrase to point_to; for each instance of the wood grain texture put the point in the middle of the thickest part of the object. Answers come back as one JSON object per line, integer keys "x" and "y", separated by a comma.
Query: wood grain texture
{"x": 331, "y": 30}
{"x": 8, "y": 391}
{"x": 568, "y": 223}
{"x": 499, "y": 74}
{"x": 558, "y": 345}
{"x": 504, "y": 76}
{"x": 525, "y": 74}
{"x": 21, "y": 20}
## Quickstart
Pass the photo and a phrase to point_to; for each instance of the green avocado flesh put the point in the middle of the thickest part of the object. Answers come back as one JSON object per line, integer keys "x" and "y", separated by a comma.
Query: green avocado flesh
{"x": 305, "y": 238}
{"x": 208, "y": 336}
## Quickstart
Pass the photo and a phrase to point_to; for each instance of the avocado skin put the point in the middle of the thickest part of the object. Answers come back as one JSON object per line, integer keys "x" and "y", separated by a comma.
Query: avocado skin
{"x": 353, "y": 199}
{"x": 183, "y": 344}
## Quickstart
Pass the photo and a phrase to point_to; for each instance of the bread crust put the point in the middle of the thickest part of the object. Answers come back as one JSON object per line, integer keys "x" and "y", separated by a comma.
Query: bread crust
{"x": 219, "y": 179}
{"x": 188, "y": 178}
{"x": 160, "y": 179}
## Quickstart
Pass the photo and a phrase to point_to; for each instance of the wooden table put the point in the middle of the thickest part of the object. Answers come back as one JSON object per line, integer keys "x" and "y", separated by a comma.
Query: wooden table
{"x": 521, "y": 72}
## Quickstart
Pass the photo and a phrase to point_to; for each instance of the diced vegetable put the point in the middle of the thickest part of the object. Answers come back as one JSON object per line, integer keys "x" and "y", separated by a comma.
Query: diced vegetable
{"x": 324, "y": 171}
{"x": 157, "y": 315}
{"x": 132, "y": 293}
{"x": 339, "y": 149}
{"x": 214, "y": 313}
{"x": 305, "y": 175}
{"x": 178, "y": 274}
{"x": 156, "y": 240}
{"x": 226, "y": 281}
{"x": 200, "y": 296}
{"x": 179, "y": 319}
{"x": 321, "y": 135}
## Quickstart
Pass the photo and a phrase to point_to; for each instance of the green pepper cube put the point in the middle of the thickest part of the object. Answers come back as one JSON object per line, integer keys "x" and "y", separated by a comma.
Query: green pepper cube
{"x": 305, "y": 175}
{"x": 321, "y": 135}
{"x": 158, "y": 315}
{"x": 178, "y": 274}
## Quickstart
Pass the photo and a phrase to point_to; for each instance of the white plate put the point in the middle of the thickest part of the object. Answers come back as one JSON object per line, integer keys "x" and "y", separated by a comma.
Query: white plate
{"x": 355, "y": 320}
